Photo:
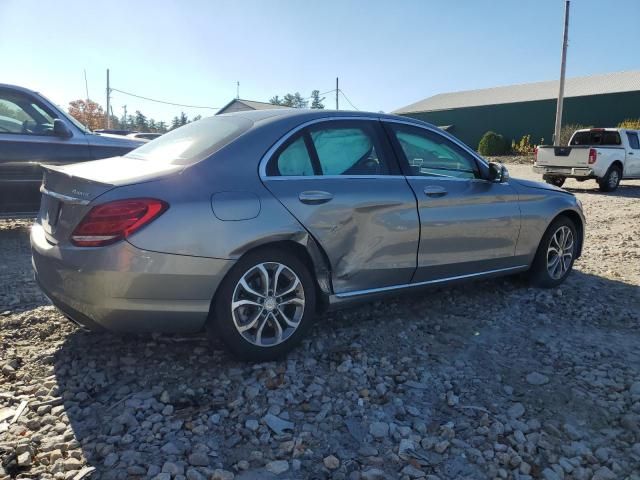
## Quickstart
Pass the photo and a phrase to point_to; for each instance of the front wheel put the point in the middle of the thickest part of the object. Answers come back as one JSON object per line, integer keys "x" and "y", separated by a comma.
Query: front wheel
{"x": 611, "y": 179}
{"x": 264, "y": 306}
{"x": 556, "y": 180}
{"x": 556, "y": 253}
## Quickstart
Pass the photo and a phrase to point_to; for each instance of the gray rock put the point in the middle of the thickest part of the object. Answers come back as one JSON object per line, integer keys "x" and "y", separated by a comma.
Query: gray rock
{"x": 603, "y": 473}
{"x": 199, "y": 459}
{"x": 535, "y": 378}
{"x": 277, "y": 466}
{"x": 193, "y": 474}
{"x": 252, "y": 424}
{"x": 379, "y": 429}
{"x": 331, "y": 462}
{"x": 110, "y": 460}
{"x": 413, "y": 472}
{"x": 373, "y": 474}
{"x": 24, "y": 459}
{"x": 516, "y": 410}
{"x": 277, "y": 424}
{"x": 172, "y": 468}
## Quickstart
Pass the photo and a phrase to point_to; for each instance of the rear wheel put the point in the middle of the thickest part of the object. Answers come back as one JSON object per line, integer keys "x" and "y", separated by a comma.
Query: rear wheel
{"x": 611, "y": 180}
{"x": 264, "y": 306}
{"x": 556, "y": 180}
{"x": 556, "y": 253}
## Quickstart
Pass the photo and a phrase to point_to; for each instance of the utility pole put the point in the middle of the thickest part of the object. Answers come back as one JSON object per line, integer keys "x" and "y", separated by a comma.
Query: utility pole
{"x": 563, "y": 66}
{"x": 337, "y": 90}
{"x": 238, "y": 90}
{"x": 108, "y": 101}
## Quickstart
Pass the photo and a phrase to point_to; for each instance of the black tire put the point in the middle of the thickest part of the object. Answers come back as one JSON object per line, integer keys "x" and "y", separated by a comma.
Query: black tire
{"x": 611, "y": 179}
{"x": 221, "y": 323}
{"x": 558, "y": 181}
{"x": 539, "y": 274}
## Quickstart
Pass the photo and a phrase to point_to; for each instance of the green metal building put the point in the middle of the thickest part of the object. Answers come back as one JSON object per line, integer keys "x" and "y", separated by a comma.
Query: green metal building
{"x": 530, "y": 109}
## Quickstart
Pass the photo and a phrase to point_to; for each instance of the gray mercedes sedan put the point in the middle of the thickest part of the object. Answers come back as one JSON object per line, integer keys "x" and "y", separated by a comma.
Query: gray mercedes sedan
{"x": 249, "y": 224}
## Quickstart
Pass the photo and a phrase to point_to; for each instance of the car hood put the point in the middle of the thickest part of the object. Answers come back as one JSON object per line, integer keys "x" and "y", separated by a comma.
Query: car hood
{"x": 105, "y": 139}
{"x": 537, "y": 185}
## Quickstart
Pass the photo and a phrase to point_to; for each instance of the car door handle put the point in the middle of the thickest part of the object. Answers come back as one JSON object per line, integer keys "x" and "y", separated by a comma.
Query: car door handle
{"x": 434, "y": 191}
{"x": 315, "y": 197}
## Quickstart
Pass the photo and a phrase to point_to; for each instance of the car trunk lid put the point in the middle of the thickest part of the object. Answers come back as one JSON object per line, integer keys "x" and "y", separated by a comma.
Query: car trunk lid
{"x": 68, "y": 192}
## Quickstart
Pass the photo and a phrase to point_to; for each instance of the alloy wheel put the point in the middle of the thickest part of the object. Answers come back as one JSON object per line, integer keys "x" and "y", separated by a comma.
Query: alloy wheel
{"x": 560, "y": 252}
{"x": 614, "y": 178}
{"x": 268, "y": 304}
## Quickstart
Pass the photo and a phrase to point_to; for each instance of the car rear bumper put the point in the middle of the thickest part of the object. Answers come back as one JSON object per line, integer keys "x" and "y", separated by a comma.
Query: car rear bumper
{"x": 125, "y": 289}
{"x": 573, "y": 172}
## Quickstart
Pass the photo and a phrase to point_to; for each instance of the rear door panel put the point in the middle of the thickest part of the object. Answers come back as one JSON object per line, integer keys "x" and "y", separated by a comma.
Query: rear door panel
{"x": 369, "y": 229}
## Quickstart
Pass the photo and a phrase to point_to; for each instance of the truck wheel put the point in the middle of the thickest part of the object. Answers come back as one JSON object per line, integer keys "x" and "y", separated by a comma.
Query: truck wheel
{"x": 556, "y": 253}
{"x": 611, "y": 180}
{"x": 558, "y": 181}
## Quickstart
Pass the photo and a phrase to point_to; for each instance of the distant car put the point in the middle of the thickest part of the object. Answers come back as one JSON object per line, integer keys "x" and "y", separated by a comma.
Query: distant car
{"x": 250, "y": 223}
{"x": 145, "y": 136}
{"x": 606, "y": 155}
{"x": 34, "y": 131}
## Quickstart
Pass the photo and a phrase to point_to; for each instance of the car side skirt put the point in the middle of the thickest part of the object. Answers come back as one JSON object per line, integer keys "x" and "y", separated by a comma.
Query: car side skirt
{"x": 341, "y": 300}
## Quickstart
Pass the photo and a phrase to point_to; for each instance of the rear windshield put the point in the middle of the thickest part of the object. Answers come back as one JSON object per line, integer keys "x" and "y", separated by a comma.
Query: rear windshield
{"x": 596, "y": 137}
{"x": 193, "y": 142}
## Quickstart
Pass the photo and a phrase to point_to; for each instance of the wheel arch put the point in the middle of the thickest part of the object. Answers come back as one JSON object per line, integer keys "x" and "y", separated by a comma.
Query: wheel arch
{"x": 305, "y": 248}
{"x": 577, "y": 221}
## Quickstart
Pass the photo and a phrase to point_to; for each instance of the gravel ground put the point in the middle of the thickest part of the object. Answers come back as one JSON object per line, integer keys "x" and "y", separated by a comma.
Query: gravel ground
{"x": 489, "y": 380}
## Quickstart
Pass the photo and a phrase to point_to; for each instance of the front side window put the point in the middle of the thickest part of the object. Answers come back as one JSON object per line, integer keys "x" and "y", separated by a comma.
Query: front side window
{"x": 348, "y": 150}
{"x": 20, "y": 115}
{"x": 430, "y": 154}
{"x": 633, "y": 140}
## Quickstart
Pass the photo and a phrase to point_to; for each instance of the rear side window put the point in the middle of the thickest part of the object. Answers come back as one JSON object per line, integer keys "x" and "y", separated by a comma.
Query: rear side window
{"x": 633, "y": 140}
{"x": 348, "y": 150}
{"x": 337, "y": 147}
{"x": 193, "y": 142}
{"x": 294, "y": 160}
{"x": 596, "y": 137}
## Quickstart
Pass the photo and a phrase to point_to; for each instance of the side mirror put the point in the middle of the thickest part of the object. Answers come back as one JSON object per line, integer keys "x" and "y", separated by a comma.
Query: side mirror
{"x": 498, "y": 173}
{"x": 60, "y": 129}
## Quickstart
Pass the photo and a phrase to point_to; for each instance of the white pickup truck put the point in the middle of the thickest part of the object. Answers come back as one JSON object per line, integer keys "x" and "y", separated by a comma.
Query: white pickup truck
{"x": 606, "y": 155}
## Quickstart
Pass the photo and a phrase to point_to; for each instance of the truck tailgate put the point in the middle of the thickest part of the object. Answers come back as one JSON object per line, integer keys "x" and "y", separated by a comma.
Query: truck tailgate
{"x": 563, "y": 156}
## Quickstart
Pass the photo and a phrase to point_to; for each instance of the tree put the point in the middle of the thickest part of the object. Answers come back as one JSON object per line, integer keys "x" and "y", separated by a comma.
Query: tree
{"x": 162, "y": 127}
{"x": 183, "y": 119}
{"x": 196, "y": 118}
{"x": 275, "y": 100}
{"x": 88, "y": 113}
{"x": 141, "y": 123}
{"x": 316, "y": 101}
{"x": 175, "y": 123}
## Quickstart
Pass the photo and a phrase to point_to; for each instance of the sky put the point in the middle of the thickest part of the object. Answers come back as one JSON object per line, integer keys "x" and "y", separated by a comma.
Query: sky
{"x": 387, "y": 53}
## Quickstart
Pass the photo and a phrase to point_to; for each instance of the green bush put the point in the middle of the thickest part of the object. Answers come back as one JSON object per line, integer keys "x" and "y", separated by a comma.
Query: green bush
{"x": 492, "y": 143}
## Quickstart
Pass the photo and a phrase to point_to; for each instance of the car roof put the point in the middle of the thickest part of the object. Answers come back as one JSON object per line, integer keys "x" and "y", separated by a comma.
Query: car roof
{"x": 306, "y": 114}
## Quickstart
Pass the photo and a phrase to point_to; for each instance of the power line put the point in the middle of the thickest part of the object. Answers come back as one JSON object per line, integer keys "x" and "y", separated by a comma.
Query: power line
{"x": 347, "y": 99}
{"x": 162, "y": 101}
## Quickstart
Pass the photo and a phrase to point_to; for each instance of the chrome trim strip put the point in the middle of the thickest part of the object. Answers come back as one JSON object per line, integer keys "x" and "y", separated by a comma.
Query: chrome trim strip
{"x": 356, "y": 293}
{"x": 262, "y": 168}
{"x": 332, "y": 177}
{"x": 64, "y": 198}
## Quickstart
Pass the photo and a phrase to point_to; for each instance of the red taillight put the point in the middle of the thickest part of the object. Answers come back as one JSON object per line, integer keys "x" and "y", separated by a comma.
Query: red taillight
{"x": 113, "y": 221}
{"x": 593, "y": 155}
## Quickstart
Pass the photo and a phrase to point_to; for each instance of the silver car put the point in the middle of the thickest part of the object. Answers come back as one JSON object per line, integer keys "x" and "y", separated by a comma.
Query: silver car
{"x": 249, "y": 224}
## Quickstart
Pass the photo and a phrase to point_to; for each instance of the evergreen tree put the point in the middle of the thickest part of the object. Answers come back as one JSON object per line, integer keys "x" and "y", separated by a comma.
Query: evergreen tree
{"x": 141, "y": 122}
{"x": 175, "y": 123}
{"x": 183, "y": 119}
{"x": 161, "y": 127}
{"x": 316, "y": 101}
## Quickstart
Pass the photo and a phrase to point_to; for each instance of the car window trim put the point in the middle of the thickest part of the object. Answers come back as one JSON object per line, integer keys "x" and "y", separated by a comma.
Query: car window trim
{"x": 387, "y": 150}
